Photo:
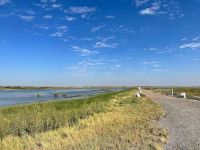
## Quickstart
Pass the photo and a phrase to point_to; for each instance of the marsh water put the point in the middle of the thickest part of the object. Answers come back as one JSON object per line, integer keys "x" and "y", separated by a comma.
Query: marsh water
{"x": 13, "y": 97}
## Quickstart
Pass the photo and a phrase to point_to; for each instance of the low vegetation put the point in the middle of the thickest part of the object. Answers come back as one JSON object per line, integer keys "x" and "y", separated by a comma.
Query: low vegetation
{"x": 110, "y": 121}
{"x": 192, "y": 92}
{"x": 189, "y": 91}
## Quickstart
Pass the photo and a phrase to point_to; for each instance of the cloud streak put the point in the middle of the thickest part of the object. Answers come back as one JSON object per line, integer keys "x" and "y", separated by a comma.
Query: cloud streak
{"x": 85, "y": 66}
{"x": 109, "y": 17}
{"x": 80, "y": 10}
{"x": 190, "y": 45}
{"x": 105, "y": 45}
{"x": 68, "y": 18}
{"x": 57, "y": 34}
{"x": 153, "y": 10}
{"x": 140, "y": 2}
{"x": 160, "y": 7}
{"x": 4, "y": 2}
{"x": 26, "y": 18}
{"x": 84, "y": 51}
{"x": 48, "y": 17}
{"x": 149, "y": 62}
{"x": 97, "y": 28}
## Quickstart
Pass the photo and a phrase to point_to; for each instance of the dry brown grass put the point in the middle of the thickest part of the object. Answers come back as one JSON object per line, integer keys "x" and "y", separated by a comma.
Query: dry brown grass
{"x": 126, "y": 124}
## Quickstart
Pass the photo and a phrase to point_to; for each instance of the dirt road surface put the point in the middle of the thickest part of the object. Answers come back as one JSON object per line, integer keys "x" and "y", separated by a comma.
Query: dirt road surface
{"x": 182, "y": 120}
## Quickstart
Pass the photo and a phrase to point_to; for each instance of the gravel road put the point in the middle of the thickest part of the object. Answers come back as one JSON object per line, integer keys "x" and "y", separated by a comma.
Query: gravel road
{"x": 182, "y": 120}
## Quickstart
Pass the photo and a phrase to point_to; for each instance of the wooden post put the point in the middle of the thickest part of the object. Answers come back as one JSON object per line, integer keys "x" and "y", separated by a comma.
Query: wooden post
{"x": 172, "y": 92}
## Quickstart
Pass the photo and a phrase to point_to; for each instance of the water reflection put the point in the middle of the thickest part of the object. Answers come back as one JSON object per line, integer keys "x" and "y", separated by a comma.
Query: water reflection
{"x": 13, "y": 97}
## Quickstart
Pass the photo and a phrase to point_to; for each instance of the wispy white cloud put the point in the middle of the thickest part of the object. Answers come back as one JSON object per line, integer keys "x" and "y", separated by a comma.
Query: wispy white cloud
{"x": 160, "y": 70}
{"x": 84, "y": 16}
{"x": 69, "y": 38}
{"x": 105, "y": 39}
{"x": 45, "y": 27}
{"x": 48, "y": 5}
{"x": 48, "y": 16}
{"x": 57, "y": 34}
{"x": 84, "y": 51}
{"x": 151, "y": 49}
{"x": 105, "y": 45}
{"x": 196, "y": 59}
{"x": 4, "y": 2}
{"x": 106, "y": 42}
{"x": 60, "y": 32}
{"x": 184, "y": 39}
{"x": 117, "y": 66}
{"x": 109, "y": 17}
{"x": 141, "y": 2}
{"x": 26, "y": 18}
{"x": 87, "y": 39}
{"x": 8, "y": 14}
{"x": 196, "y": 38}
{"x": 86, "y": 66}
{"x": 43, "y": 1}
{"x": 154, "y": 66}
{"x": 56, "y": 6}
{"x": 80, "y": 10}
{"x": 99, "y": 27}
{"x": 62, "y": 28}
{"x": 30, "y": 12}
{"x": 94, "y": 65}
{"x": 191, "y": 45}
{"x": 149, "y": 62}
{"x": 170, "y": 8}
{"x": 162, "y": 50}
{"x": 37, "y": 34}
{"x": 153, "y": 10}
{"x": 112, "y": 68}
{"x": 121, "y": 29}
{"x": 68, "y": 18}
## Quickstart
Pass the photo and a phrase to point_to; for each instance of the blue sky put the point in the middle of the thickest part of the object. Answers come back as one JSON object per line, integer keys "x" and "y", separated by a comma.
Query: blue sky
{"x": 99, "y": 42}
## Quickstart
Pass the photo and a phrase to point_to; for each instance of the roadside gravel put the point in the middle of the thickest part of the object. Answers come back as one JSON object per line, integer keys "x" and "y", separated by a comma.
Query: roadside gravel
{"x": 182, "y": 120}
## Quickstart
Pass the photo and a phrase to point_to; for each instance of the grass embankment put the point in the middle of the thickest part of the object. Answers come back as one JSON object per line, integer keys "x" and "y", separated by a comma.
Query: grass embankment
{"x": 110, "y": 121}
{"x": 42, "y": 117}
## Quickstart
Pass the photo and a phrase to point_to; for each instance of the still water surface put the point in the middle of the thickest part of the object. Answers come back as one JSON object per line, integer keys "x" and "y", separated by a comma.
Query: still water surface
{"x": 13, "y": 97}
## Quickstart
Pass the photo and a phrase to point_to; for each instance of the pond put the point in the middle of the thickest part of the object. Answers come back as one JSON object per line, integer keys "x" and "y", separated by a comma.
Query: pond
{"x": 13, "y": 97}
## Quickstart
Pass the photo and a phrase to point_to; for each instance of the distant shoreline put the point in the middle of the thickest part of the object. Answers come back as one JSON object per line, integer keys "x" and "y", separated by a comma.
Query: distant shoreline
{"x": 56, "y": 88}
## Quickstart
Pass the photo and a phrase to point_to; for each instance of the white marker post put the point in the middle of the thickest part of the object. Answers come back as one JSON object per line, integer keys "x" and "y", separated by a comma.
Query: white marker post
{"x": 139, "y": 90}
{"x": 183, "y": 95}
{"x": 138, "y": 94}
{"x": 172, "y": 92}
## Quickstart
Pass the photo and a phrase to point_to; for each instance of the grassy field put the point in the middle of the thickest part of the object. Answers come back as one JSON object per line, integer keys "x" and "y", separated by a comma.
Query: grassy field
{"x": 190, "y": 91}
{"x": 111, "y": 121}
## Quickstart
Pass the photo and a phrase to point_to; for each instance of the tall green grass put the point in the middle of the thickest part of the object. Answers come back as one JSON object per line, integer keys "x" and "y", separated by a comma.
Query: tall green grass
{"x": 41, "y": 117}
